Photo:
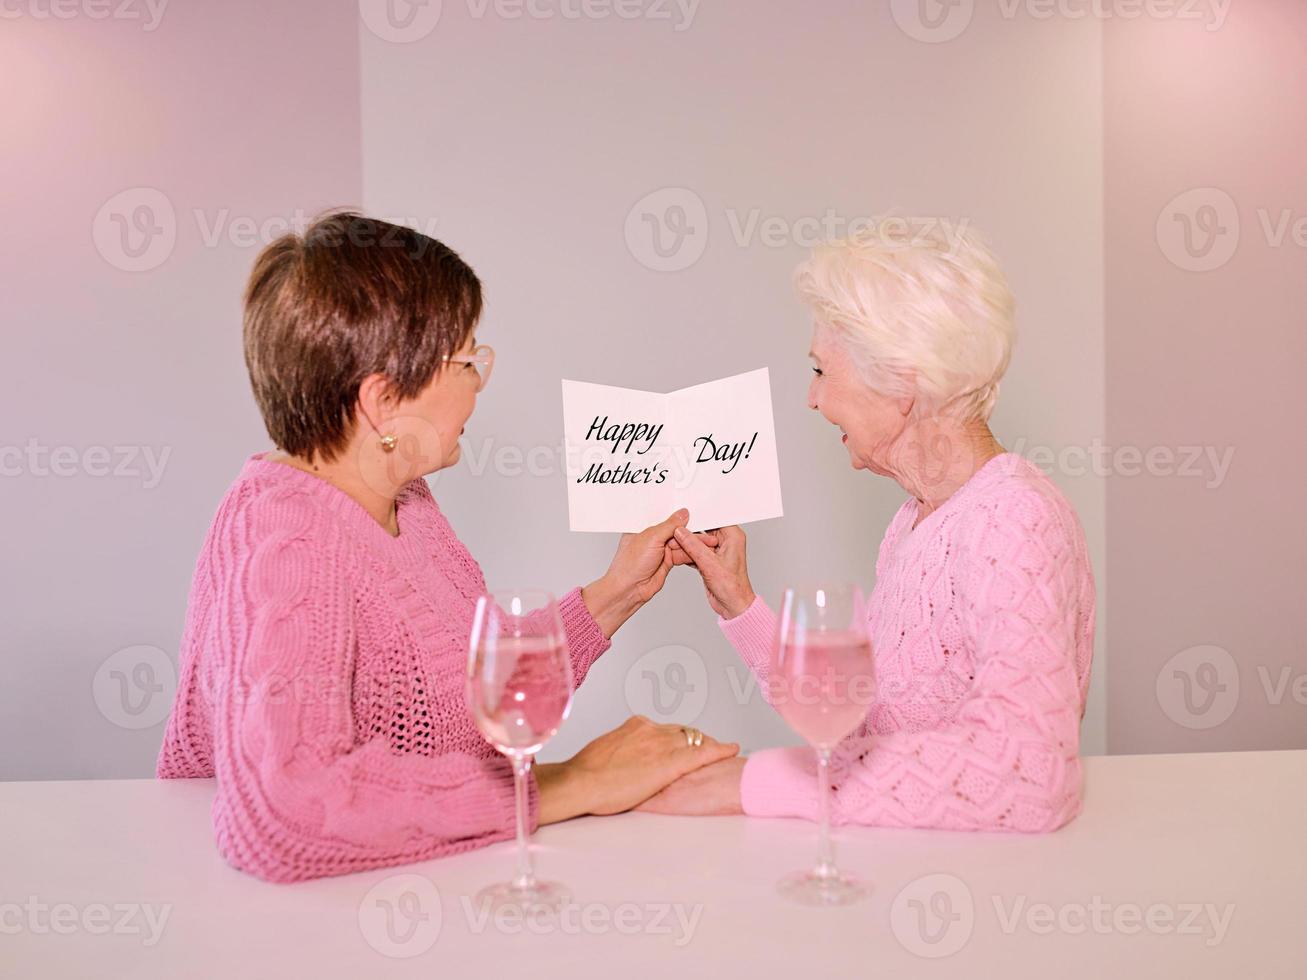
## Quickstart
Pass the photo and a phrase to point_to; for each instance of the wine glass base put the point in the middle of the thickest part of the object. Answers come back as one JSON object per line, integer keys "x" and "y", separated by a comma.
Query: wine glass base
{"x": 812, "y": 888}
{"x": 539, "y": 896}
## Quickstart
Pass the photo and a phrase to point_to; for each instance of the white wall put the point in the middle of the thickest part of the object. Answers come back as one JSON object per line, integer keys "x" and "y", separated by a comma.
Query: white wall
{"x": 525, "y": 144}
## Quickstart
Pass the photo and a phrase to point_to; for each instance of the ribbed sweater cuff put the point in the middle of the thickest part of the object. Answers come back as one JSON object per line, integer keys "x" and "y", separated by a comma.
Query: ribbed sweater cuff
{"x": 751, "y": 632}
{"x": 780, "y": 783}
{"x": 584, "y": 637}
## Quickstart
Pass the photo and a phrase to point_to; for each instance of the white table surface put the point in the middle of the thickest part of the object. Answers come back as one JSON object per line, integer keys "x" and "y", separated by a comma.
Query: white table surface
{"x": 1171, "y": 840}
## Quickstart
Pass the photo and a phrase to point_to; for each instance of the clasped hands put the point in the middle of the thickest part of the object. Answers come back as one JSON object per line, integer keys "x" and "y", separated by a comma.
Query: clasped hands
{"x": 643, "y": 764}
{"x": 642, "y": 562}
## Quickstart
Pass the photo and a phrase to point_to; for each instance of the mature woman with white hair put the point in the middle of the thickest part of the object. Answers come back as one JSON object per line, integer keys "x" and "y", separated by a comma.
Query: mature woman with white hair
{"x": 982, "y": 616}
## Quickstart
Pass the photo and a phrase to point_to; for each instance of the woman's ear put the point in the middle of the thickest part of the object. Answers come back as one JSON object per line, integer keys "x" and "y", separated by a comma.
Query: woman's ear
{"x": 376, "y": 401}
{"x": 906, "y": 403}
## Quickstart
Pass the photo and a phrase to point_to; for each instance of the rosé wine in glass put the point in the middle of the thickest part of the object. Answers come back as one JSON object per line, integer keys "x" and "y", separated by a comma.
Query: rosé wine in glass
{"x": 524, "y": 711}
{"x": 827, "y": 685}
{"x": 822, "y": 681}
{"x": 519, "y": 690}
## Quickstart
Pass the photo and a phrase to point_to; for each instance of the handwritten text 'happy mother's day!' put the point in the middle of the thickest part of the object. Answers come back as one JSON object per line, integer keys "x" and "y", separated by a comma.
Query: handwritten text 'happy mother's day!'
{"x": 640, "y": 438}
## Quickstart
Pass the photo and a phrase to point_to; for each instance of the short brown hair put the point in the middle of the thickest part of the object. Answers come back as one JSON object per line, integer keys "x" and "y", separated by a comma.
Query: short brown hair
{"x": 350, "y": 297}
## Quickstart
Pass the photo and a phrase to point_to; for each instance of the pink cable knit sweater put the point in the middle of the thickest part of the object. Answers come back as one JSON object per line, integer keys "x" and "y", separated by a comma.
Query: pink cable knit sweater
{"x": 322, "y": 683}
{"x": 982, "y": 626}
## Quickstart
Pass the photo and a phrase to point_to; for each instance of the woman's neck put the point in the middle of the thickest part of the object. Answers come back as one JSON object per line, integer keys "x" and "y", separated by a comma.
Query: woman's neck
{"x": 349, "y": 480}
{"x": 940, "y": 456}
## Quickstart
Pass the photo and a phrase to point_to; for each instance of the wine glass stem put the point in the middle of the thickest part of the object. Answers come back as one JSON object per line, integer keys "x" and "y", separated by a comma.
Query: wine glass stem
{"x": 525, "y": 875}
{"x": 825, "y": 850}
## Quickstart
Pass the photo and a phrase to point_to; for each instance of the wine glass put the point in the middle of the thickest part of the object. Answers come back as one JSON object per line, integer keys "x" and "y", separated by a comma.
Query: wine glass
{"x": 519, "y": 688}
{"x": 822, "y": 682}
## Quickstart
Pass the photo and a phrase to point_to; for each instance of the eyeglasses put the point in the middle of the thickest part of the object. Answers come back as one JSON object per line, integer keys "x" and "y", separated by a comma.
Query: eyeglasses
{"x": 482, "y": 358}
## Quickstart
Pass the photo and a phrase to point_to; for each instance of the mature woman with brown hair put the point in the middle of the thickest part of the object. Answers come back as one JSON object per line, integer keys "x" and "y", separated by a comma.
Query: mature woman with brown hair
{"x": 326, "y": 637}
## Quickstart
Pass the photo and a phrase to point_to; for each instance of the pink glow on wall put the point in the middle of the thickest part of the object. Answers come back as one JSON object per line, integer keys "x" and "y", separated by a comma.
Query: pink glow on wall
{"x": 1204, "y": 140}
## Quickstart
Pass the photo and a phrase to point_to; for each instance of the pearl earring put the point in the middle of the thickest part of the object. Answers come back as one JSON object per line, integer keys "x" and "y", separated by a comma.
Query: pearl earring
{"x": 388, "y": 443}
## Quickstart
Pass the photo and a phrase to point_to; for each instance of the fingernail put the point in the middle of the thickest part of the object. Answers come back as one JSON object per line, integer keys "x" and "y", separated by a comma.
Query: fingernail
{"x": 680, "y": 532}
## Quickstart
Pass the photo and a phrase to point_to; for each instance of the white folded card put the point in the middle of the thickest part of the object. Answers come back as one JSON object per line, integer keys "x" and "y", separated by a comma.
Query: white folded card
{"x": 634, "y": 457}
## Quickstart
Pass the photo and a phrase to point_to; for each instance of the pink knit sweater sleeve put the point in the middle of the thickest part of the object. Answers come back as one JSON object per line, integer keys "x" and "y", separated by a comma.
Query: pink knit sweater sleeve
{"x": 1008, "y": 757}
{"x": 752, "y": 633}
{"x": 585, "y": 640}
{"x": 297, "y": 797}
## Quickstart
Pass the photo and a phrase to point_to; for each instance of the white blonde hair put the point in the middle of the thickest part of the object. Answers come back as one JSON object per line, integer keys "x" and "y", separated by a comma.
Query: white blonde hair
{"x": 922, "y": 308}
